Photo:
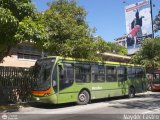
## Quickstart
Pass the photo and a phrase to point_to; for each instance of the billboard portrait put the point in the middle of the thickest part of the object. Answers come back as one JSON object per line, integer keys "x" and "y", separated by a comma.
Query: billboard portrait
{"x": 138, "y": 24}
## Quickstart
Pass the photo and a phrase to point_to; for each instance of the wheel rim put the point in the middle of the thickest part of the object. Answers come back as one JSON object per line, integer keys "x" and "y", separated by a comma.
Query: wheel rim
{"x": 82, "y": 97}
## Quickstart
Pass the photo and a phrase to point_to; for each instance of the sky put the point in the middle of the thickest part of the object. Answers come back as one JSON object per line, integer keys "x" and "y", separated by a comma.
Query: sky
{"x": 107, "y": 16}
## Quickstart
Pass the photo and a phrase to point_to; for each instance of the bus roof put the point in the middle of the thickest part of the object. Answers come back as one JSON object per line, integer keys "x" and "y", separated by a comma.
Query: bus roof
{"x": 85, "y": 60}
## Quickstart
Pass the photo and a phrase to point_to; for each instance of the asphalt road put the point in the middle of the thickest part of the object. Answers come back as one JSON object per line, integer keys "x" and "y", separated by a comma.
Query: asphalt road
{"x": 143, "y": 107}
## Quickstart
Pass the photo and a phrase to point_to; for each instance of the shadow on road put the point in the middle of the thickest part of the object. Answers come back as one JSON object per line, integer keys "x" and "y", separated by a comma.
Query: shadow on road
{"x": 57, "y": 106}
{"x": 140, "y": 104}
{"x": 51, "y": 106}
{"x": 109, "y": 99}
{"x": 129, "y": 104}
{"x": 149, "y": 105}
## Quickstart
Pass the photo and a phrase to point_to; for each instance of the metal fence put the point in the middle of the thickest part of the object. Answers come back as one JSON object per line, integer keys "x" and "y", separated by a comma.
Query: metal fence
{"x": 15, "y": 84}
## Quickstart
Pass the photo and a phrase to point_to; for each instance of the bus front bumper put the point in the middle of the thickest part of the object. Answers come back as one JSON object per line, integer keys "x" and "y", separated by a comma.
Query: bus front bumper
{"x": 45, "y": 99}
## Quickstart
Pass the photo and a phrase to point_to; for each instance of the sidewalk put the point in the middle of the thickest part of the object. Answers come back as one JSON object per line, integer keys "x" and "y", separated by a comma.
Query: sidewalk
{"x": 10, "y": 108}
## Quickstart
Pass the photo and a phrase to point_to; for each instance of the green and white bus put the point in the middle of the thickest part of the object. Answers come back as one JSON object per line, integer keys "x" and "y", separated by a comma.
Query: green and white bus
{"x": 64, "y": 80}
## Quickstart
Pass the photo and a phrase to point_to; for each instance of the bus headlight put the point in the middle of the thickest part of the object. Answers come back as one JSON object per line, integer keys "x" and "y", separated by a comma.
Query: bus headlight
{"x": 37, "y": 99}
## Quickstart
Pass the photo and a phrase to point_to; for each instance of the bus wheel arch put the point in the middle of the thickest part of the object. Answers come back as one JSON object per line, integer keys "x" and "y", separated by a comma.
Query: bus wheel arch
{"x": 84, "y": 97}
{"x": 131, "y": 92}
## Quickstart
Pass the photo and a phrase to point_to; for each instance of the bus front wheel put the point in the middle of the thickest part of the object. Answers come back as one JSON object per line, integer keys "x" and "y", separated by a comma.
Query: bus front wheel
{"x": 83, "y": 98}
{"x": 131, "y": 93}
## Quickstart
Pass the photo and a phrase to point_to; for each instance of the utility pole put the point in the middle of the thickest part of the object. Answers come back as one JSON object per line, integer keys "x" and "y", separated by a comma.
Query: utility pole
{"x": 152, "y": 19}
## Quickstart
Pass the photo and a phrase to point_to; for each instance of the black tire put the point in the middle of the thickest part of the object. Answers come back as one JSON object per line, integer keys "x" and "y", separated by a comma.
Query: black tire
{"x": 131, "y": 92}
{"x": 83, "y": 98}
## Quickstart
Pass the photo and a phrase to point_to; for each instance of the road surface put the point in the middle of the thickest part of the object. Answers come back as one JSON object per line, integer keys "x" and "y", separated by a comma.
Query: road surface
{"x": 145, "y": 106}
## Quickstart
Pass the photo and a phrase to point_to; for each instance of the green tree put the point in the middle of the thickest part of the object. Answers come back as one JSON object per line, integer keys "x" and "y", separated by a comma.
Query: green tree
{"x": 8, "y": 27}
{"x": 60, "y": 30}
{"x": 118, "y": 49}
{"x": 32, "y": 29}
{"x": 149, "y": 54}
{"x": 69, "y": 34}
{"x": 18, "y": 22}
{"x": 102, "y": 46}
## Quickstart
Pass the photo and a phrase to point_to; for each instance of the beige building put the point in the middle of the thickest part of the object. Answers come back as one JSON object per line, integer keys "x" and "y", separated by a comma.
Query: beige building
{"x": 23, "y": 55}
{"x": 122, "y": 41}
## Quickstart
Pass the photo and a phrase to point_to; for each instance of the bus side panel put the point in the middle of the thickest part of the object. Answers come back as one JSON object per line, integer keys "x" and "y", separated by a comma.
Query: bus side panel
{"x": 108, "y": 89}
{"x": 137, "y": 84}
{"x": 70, "y": 94}
{"x": 67, "y": 97}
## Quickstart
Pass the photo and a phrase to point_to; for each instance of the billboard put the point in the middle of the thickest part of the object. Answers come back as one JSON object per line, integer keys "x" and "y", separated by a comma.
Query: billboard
{"x": 138, "y": 24}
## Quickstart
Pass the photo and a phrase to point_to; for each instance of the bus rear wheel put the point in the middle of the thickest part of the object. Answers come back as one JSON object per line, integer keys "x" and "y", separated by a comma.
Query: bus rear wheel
{"x": 131, "y": 93}
{"x": 83, "y": 98}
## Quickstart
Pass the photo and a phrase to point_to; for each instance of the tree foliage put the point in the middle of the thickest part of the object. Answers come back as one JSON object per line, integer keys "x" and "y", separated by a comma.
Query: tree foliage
{"x": 69, "y": 33}
{"x": 19, "y": 8}
{"x": 118, "y": 49}
{"x": 60, "y": 30}
{"x": 33, "y": 30}
{"x": 102, "y": 46}
{"x": 149, "y": 54}
{"x": 8, "y": 27}
{"x": 18, "y": 21}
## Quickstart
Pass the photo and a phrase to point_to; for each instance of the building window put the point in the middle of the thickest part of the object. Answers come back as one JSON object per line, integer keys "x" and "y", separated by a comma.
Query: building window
{"x": 28, "y": 52}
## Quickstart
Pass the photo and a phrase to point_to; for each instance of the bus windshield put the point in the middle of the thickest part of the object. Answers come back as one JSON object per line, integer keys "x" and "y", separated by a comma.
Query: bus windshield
{"x": 42, "y": 74}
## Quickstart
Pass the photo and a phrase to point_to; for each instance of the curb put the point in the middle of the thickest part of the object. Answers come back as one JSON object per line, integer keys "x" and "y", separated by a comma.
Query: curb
{"x": 6, "y": 111}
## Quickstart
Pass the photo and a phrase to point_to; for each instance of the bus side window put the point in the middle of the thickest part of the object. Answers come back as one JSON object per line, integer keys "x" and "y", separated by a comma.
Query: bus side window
{"x": 121, "y": 71}
{"x": 139, "y": 72}
{"x": 66, "y": 76}
{"x": 131, "y": 73}
{"x": 82, "y": 73}
{"x": 98, "y": 73}
{"x": 111, "y": 74}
